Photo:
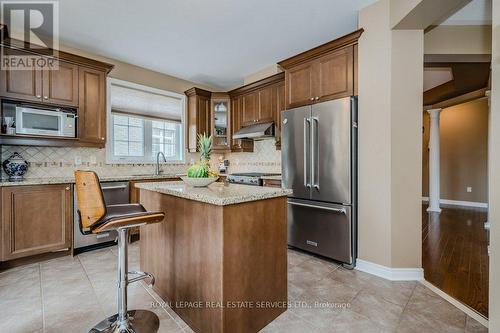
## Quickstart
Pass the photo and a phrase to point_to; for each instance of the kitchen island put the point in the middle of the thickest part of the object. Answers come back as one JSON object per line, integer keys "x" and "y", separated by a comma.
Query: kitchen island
{"x": 220, "y": 256}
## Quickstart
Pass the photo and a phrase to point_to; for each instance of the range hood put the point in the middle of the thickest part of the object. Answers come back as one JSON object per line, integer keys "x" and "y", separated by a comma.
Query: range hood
{"x": 256, "y": 132}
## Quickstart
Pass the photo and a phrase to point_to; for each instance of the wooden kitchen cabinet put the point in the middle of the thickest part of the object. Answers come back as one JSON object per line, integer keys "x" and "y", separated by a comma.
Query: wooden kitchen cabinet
{"x": 258, "y": 106}
{"x": 35, "y": 220}
{"x": 335, "y": 75}
{"x": 220, "y": 118}
{"x": 92, "y": 106}
{"x": 58, "y": 86}
{"x": 61, "y": 86}
{"x": 78, "y": 83}
{"x": 258, "y": 102}
{"x": 271, "y": 183}
{"x": 326, "y": 72}
{"x": 300, "y": 85}
{"x": 21, "y": 84}
{"x": 249, "y": 111}
{"x": 198, "y": 116}
{"x": 267, "y": 104}
{"x": 281, "y": 106}
{"x": 238, "y": 145}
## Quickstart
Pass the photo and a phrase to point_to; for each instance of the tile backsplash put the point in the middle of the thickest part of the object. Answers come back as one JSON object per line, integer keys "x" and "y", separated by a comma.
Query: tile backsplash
{"x": 47, "y": 162}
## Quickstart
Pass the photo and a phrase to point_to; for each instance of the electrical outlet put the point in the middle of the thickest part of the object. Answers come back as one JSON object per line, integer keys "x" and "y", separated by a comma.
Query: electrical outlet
{"x": 93, "y": 159}
{"x": 469, "y": 189}
{"x": 78, "y": 160}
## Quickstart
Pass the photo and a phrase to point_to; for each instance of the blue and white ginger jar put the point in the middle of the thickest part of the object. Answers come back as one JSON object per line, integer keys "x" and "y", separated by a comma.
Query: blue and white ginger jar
{"x": 15, "y": 166}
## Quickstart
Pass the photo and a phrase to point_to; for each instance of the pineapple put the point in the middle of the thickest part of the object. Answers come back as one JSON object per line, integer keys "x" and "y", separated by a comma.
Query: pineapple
{"x": 204, "y": 146}
{"x": 202, "y": 168}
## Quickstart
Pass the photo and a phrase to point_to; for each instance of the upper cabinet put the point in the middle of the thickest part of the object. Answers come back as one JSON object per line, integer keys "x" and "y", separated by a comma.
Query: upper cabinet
{"x": 334, "y": 75}
{"x": 281, "y": 106}
{"x": 56, "y": 86}
{"x": 221, "y": 121}
{"x": 198, "y": 116}
{"x": 258, "y": 102}
{"x": 21, "y": 84}
{"x": 238, "y": 145}
{"x": 92, "y": 106}
{"x": 324, "y": 73}
{"x": 60, "y": 86}
{"x": 267, "y": 104}
{"x": 259, "y": 105}
{"x": 299, "y": 80}
{"x": 75, "y": 82}
{"x": 250, "y": 108}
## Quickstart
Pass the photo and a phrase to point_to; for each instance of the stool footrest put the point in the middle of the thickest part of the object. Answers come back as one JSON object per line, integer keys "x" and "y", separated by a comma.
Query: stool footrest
{"x": 141, "y": 276}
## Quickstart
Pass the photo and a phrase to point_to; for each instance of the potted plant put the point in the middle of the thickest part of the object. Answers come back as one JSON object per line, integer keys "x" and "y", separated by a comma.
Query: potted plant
{"x": 200, "y": 174}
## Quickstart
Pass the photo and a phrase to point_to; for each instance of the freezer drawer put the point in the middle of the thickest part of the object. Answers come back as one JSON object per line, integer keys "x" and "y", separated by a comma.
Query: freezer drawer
{"x": 321, "y": 228}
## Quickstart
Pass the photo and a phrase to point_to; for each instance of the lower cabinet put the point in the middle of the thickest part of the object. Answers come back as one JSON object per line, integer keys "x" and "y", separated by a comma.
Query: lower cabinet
{"x": 35, "y": 220}
{"x": 271, "y": 183}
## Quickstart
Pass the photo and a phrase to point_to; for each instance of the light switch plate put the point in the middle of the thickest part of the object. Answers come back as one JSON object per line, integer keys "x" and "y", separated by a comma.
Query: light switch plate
{"x": 78, "y": 160}
{"x": 93, "y": 159}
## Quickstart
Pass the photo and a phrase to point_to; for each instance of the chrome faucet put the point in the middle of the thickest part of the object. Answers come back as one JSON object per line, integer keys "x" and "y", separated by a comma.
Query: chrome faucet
{"x": 157, "y": 169}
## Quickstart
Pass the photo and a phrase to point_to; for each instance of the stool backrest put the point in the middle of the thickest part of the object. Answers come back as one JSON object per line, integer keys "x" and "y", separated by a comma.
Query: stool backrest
{"x": 90, "y": 198}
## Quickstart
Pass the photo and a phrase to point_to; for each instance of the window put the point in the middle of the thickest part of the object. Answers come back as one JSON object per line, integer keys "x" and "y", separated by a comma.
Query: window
{"x": 143, "y": 122}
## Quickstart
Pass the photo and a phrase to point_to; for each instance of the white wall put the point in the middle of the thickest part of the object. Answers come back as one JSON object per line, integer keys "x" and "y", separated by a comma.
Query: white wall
{"x": 390, "y": 120}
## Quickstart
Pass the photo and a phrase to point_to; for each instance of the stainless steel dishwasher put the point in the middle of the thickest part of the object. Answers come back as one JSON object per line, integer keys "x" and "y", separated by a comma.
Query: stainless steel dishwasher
{"x": 114, "y": 193}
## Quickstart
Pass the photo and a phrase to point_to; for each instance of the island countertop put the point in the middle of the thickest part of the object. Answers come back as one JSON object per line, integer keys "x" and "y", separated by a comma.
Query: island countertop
{"x": 219, "y": 194}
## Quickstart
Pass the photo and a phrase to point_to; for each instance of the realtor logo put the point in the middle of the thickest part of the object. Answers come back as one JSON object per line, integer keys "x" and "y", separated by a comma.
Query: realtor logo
{"x": 34, "y": 26}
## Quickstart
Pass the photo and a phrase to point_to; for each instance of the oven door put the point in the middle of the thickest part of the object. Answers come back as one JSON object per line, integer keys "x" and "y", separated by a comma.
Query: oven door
{"x": 39, "y": 122}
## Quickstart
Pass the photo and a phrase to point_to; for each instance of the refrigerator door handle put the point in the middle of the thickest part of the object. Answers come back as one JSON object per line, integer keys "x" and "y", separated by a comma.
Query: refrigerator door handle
{"x": 337, "y": 210}
{"x": 307, "y": 123}
{"x": 314, "y": 149}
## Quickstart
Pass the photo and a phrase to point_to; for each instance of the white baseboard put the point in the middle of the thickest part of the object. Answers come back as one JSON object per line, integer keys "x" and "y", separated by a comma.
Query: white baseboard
{"x": 459, "y": 203}
{"x": 464, "y": 308}
{"x": 388, "y": 273}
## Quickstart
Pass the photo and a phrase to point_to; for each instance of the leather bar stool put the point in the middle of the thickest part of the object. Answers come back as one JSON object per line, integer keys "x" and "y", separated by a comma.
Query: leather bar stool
{"x": 96, "y": 217}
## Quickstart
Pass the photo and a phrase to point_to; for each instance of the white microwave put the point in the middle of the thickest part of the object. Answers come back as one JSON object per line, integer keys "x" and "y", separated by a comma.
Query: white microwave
{"x": 45, "y": 122}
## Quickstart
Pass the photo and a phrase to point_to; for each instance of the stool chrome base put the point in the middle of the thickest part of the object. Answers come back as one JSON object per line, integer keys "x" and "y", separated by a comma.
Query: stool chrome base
{"x": 138, "y": 321}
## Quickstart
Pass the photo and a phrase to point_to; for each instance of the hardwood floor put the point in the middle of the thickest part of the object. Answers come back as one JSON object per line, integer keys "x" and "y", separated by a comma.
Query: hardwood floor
{"x": 455, "y": 254}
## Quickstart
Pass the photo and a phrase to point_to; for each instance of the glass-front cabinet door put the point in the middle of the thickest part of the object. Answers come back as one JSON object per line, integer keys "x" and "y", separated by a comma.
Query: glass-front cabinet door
{"x": 221, "y": 121}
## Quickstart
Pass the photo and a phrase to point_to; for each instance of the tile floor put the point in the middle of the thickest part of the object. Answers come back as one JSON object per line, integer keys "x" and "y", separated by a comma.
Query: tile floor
{"x": 72, "y": 294}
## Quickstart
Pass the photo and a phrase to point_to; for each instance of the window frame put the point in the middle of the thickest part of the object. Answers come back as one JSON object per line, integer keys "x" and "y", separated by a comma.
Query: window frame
{"x": 147, "y": 130}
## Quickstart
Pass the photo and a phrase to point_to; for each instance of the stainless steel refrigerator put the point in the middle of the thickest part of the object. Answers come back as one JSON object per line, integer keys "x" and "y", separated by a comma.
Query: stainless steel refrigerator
{"x": 318, "y": 151}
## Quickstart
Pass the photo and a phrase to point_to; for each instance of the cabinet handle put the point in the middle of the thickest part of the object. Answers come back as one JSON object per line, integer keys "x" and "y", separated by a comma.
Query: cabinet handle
{"x": 45, "y": 97}
{"x": 312, "y": 98}
{"x": 38, "y": 96}
{"x": 67, "y": 188}
{"x": 102, "y": 138}
{"x": 316, "y": 98}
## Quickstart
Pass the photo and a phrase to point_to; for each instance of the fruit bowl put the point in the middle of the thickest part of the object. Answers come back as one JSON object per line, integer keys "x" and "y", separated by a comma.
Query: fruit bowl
{"x": 199, "y": 182}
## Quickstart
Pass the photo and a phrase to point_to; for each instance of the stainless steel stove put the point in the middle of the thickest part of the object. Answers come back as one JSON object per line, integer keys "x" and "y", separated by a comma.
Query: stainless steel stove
{"x": 248, "y": 178}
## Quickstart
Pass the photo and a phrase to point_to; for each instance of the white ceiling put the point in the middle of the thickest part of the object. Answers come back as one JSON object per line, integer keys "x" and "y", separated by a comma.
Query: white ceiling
{"x": 216, "y": 42}
{"x": 477, "y": 12}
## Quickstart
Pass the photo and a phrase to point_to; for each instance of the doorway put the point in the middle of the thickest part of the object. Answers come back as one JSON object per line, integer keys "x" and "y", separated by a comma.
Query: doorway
{"x": 455, "y": 161}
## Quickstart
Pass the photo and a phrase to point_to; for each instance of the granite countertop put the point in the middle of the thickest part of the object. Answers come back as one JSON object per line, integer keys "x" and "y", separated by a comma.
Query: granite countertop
{"x": 219, "y": 194}
{"x": 275, "y": 177}
{"x": 71, "y": 180}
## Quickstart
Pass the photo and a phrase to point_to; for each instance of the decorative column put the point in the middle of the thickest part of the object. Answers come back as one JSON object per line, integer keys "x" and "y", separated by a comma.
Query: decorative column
{"x": 434, "y": 165}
